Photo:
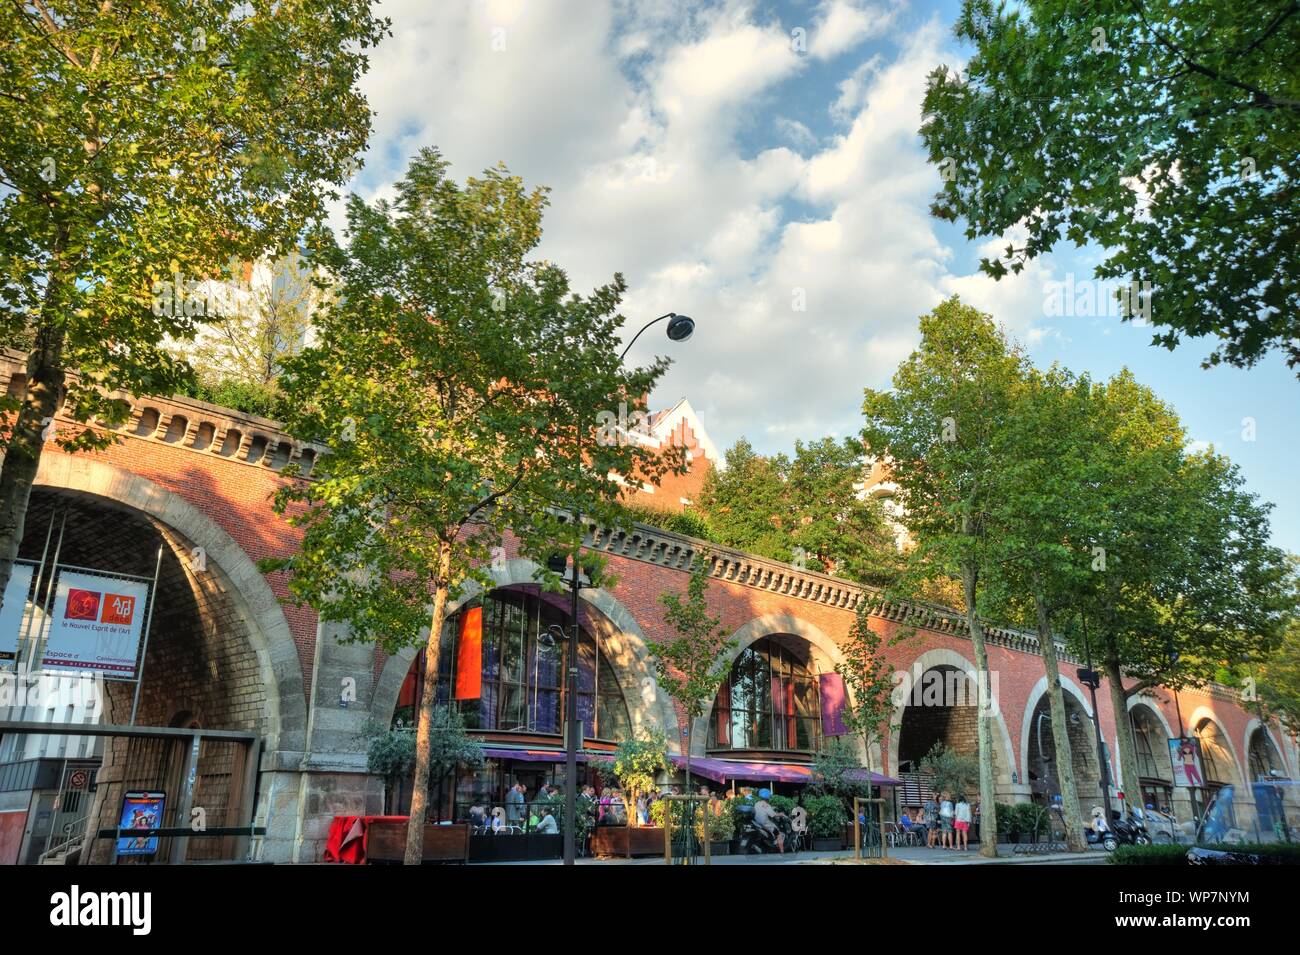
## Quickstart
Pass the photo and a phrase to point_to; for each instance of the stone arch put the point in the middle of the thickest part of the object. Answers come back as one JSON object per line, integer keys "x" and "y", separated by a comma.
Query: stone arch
{"x": 1257, "y": 724}
{"x": 1156, "y": 711}
{"x": 1202, "y": 713}
{"x": 1031, "y": 703}
{"x": 621, "y": 640}
{"x": 1003, "y": 760}
{"x": 825, "y": 652}
{"x": 271, "y": 638}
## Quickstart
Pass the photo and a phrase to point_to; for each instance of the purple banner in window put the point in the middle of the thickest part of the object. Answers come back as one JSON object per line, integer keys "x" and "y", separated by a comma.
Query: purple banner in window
{"x": 833, "y": 700}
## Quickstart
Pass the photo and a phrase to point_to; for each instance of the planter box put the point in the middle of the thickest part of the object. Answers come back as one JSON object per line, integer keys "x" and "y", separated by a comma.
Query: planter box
{"x": 720, "y": 848}
{"x": 627, "y": 841}
{"x": 828, "y": 845}
{"x": 386, "y": 842}
{"x": 516, "y": 847}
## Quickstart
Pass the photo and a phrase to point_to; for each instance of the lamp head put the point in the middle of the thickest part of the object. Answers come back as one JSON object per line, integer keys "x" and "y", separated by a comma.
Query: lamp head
{"x": 680, "y": 327}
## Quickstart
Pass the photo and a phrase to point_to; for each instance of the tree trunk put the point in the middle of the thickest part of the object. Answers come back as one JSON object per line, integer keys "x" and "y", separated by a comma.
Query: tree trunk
{"x": 22, "y": 455}
{"x": 432, "y": 649}
{"x": 988, "y": 790}
{"x": 1128, "y": 766}
{"x": 1074, "y": 837}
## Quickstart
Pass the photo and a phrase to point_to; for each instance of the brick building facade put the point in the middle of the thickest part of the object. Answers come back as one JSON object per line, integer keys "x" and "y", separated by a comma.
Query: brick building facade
{"x": 228, "y": 653}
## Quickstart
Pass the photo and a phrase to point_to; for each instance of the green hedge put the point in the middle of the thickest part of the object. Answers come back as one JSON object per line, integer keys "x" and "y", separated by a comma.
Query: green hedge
{"x": 690, "y": 523}
{"x": 1270, "y": 853}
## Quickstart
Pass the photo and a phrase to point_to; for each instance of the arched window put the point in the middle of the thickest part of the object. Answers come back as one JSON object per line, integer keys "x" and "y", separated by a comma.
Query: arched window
{"x": 493, "y": 666}
{"x": 1153, "y": 764}
{"x": 1265, "y": 763}
{"x": 770, "y": 700}
{"x": 1215, "y": 756}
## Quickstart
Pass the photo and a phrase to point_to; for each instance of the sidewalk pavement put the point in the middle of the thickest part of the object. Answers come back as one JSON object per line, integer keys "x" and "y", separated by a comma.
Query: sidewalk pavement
{"x": 906, "y": 855}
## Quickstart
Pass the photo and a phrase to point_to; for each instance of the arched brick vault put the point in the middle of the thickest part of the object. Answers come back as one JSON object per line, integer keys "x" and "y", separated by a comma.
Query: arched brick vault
{"x": 1152, "y": 706}
{"x": 1031, "y": 703}
{"x": 1003, "y": 760}
{"x": 621, "y": 640}
{"x": 271, "y": 637}
{"x": 1273, "y": 738}
{"x": 1239, "y": 768}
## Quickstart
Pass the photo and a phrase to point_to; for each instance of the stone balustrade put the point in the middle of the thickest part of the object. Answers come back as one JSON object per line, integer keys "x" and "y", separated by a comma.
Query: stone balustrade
{"x": 192, "y": 424}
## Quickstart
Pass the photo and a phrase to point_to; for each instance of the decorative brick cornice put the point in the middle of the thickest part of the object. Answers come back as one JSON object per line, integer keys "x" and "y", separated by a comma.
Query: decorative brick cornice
{"x": 192, "y": 424}
{"x": 665, "y": 548}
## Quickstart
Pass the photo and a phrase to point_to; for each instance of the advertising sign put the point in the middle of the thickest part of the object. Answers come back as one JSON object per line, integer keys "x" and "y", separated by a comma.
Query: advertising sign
{"x": 1185, "y": 757}
{"x": 833, "y": 699}
{"x": 13, "y": 611}
{"x": 140, "y": 810}
{"x": 96, "y": 625}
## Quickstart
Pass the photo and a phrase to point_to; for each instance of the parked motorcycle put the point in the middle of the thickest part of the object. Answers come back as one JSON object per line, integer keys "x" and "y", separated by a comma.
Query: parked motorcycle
{"x": 1130, "y": 831}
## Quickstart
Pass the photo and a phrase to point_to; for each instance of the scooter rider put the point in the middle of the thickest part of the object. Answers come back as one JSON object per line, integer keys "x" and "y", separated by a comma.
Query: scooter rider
{"x": 765, "y": 817}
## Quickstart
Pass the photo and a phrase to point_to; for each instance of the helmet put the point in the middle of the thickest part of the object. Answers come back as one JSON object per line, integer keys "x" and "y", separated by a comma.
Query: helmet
{"x": 765, "y": 794}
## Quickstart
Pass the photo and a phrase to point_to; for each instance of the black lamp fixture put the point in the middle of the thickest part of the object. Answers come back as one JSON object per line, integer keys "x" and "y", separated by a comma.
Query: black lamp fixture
{"x": 680, "y": 328}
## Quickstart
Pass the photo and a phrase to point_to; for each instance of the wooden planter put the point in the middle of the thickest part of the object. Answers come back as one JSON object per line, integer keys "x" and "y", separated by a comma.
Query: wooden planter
{"x": 828, "y": 845}
{"x": 386, "y": 842}
{"x": 627, "y": 841}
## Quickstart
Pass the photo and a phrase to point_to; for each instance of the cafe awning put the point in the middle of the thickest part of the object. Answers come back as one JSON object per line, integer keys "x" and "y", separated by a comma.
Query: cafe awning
{"x": 725, "y": 770}
{"x": 530, "y": 755}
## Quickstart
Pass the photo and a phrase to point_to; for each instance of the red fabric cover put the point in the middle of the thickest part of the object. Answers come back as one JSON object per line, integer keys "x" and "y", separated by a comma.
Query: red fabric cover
{"x": 346, "y": 842}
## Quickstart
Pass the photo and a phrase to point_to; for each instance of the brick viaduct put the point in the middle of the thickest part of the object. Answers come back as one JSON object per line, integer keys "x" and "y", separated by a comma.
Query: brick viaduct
{"x": 202, "y": 476}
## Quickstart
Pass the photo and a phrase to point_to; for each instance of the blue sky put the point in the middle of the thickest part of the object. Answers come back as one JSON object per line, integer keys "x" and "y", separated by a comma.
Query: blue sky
{"x": 756, "y": 165}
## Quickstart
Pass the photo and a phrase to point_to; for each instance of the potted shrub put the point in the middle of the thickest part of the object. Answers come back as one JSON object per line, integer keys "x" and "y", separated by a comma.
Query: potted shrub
{"x": 721, "y": 829}
{"x": 1007, "y": 822}
{"x": 827, "y": 818}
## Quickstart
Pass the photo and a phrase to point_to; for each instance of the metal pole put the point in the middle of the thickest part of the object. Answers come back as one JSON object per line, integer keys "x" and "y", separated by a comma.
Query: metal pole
{"x": 571, "y": 730}
{"x": 139, "y": 673}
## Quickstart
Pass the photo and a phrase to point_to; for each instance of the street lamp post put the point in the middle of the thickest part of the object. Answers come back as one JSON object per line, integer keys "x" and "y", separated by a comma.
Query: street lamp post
{"x": 1092, "y": 679}
{"x": 680, "y": 328}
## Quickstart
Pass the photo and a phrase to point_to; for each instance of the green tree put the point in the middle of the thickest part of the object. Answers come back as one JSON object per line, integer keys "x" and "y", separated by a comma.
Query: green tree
{"x": 455, "y": 384}
{"x": 869, "y": 679}
{"x": 806, "y": 509}
{"x": 1183, "y": 579}
{"x": 265, "y": 322}
{"x": 141, "y": 143}
{"x": 1165, "y": 131}
{"x": 1040, "y": 557}
{"x": 953, "y": 773}
{"x": 690, "y": 666}
{"x": 390, "y": 752}
{"x": 941, "y": 429}
{"x": 743, "y": 503}
{"x": 636, "y": 763}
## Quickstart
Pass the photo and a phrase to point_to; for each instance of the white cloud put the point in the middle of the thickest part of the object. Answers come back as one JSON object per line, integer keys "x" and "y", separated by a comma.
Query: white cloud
{"x": 658, "y": 128}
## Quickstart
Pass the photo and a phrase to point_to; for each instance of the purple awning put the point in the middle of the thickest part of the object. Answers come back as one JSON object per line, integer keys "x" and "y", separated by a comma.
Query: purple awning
{"x": 725, "y": 770}
{"x": 531, "y": 755}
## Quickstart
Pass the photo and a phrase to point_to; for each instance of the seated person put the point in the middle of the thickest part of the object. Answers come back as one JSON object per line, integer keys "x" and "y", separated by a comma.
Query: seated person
{"x": 905, "y": 821}
{"x": 478, "y": 817}
{"x": 548, "y": 825}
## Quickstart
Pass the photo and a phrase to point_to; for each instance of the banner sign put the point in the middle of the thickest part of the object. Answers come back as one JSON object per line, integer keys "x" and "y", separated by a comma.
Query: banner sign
{"x": 14, "y": 610}
{"x": 96, "y": 624}
{"x": 1185, "y": 757}
{"x": 469, "y": 656}
{"x": 833, "y": 702}
{"x": 140, "y": 811}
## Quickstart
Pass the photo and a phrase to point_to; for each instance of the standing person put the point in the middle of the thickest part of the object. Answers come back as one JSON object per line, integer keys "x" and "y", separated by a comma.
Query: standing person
{"x": 515, "y": 804}
{"x": 962, "y": 823}
{"x": 946, "y": 820}
{"x": 931, "y": 811}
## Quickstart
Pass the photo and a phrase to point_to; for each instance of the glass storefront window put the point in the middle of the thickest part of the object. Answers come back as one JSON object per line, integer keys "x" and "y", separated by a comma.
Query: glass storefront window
{"x": 770, "y": 700}
{"x": 521, "y": 677}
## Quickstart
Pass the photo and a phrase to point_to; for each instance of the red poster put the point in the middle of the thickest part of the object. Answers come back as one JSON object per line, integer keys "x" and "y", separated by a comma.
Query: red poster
{"x": 469, "y": 656}
{"x": 82, "y": 605}
{"x": 118, "y": 609}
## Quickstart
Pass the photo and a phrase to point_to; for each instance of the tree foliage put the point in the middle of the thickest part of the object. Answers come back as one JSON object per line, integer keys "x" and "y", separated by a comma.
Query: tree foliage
{"x": 807, "y": 509}
{"x": 939, "y": 430}
{"x": 868, "y": 678}
{"x": 691, "y": 665}
{"x": 456, "y": 385}
{"x": 637, "y": 761}
{"x": 144, "y": 146}
{"x": 1165, "y": 131}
